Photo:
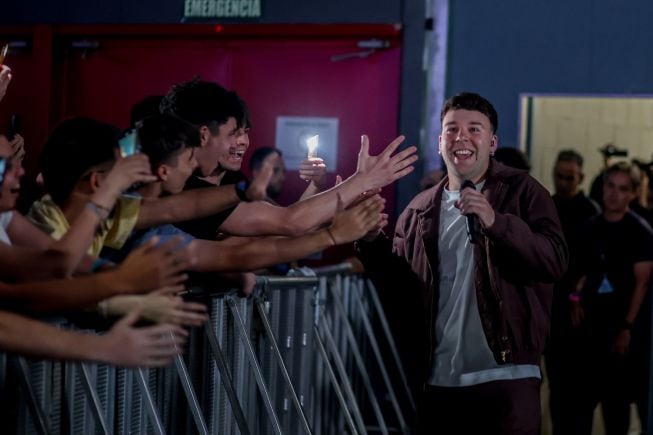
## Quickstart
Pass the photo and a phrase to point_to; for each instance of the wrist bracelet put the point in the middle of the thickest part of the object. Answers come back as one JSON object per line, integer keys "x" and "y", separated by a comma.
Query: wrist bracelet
{"x": 241, "y": 190}
{"x": 333, "y": 239}
{"x": 574, "y": 296}
{"x": 101, "y": 212}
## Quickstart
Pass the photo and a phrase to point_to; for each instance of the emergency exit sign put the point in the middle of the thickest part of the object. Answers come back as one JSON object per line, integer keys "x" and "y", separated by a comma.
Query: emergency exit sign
{"x": 222, "y": 8}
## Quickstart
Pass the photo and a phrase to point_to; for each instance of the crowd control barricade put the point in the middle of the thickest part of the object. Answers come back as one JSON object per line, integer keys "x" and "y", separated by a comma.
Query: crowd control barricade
{"x": 308, "y": 354}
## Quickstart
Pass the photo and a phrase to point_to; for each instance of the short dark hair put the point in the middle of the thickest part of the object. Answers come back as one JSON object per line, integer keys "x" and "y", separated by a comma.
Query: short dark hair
{"x": 162, "y": 137}
{"x": 471, "y": 101}
{"x": 570, "y": 156}
{"x": 203, "y": 103}
{"x": 627, "y": 168}
{"x": 148, "y": 106}
{"x": 256, "y": 161}
{"x": 75, "y": 146}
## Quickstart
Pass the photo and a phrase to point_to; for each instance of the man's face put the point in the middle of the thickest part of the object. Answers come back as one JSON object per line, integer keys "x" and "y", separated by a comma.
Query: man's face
{"x": 13, "y": 172}
{"x": 465, "y": 144}
{"x": 180, "y": 171}
{"x": 617, "y": 193}
{"x": 567, "y": 177}
{"x": 220, "y": 150}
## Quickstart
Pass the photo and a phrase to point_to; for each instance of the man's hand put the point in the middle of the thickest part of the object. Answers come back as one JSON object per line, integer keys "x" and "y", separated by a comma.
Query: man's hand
{"x": 151, "y": 267}
{"x": 257, "y": 190}
{"x": 355, "y": 222}
{"x": 473, "y": 202}
{"x": 313, "y": 170}
{"x": 577, "y": 313}
{"x": 5, "y": 79}
{"x": 384, "y": 169}
{"x": 18, "y": 148}
{"x": 152, "y": 346}
{"x": 125, "y": 172}
{"x": 621, "y": 342}
{"x": 161, "y": 306}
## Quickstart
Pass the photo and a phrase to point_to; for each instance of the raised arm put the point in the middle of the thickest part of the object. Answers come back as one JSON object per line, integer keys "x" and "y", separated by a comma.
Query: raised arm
{"x": 373, "y": 172}
{"x": 347, "y": 226}
{"x": 122, "y": 345}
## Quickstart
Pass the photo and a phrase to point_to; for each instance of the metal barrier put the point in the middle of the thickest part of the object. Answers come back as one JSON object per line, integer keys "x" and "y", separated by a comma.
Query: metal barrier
{"x": 306, "y": 354}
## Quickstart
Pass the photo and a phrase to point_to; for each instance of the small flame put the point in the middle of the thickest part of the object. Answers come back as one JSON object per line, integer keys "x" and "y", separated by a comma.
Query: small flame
{"x": 312, "y": 142}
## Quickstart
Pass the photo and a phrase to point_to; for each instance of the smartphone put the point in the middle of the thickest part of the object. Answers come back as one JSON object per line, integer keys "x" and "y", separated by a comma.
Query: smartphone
{"x": 3, "y": 53}
{"x": 129, "y": 144}
{"x": 3, "y": 168}
{"x": 14, "y": 127}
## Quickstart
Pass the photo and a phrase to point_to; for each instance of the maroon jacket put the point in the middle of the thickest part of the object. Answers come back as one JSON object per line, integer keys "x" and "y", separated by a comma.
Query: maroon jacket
{"x": 517, "y": 261}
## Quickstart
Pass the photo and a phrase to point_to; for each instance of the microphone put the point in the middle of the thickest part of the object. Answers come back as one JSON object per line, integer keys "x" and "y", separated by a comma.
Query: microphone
{"x": 473, "y": 225}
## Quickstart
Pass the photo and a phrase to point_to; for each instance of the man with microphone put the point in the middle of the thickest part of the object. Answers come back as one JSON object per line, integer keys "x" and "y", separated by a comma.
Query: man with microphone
{"x": 480, "y": 252}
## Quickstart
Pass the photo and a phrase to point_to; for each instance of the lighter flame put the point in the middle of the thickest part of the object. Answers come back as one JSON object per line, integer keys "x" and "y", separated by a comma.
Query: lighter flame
{"x": 311, "y": 143}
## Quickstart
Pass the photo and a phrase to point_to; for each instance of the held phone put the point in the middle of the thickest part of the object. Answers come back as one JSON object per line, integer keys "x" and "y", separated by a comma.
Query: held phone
{"x": 14, "y": 127}
{"x": 129, "y": 143}
{"x": 4, "y": 163}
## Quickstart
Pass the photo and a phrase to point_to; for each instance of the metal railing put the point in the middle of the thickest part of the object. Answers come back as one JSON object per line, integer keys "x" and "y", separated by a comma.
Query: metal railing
{"x": 306, "y": 354}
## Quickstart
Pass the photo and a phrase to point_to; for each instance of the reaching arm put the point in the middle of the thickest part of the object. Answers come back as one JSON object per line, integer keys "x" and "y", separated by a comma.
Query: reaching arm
{"x": 122, "y": 345}
{"x": 347, "y": 226}
{"x": 146, "y": 268}
{"x": 373, "y": 173}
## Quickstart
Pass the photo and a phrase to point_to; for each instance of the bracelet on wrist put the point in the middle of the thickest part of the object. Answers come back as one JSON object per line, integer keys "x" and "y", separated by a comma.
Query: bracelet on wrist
{"x": 575, "y": 297}
{"x": 100, "y": 211}
{"x": 241, "y": 190}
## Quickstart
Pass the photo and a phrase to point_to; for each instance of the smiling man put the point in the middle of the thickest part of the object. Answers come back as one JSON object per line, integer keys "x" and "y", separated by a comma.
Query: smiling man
{"x": 485, "y": 304}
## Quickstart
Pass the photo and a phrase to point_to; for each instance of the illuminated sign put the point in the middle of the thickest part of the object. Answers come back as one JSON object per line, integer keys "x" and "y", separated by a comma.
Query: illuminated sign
{"x": 222, "y": 8}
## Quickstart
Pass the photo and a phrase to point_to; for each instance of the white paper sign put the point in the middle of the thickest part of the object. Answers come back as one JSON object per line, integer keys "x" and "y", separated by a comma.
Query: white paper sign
{"x": 292, "y": 137}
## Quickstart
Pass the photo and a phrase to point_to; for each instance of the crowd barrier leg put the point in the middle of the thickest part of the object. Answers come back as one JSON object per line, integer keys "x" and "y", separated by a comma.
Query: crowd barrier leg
{"x": 349, "y": 333}
{"x": 284, "y": 371}
{"x": 342, "y": 372}
{"x": 334, "y": 382}
{"x": 377, "y": 354}
{"x": 258, "y": 375}
{"x": 227, "y": 380}
{"x": 93, "y": 399}
{"x": 191, "y": 398}
{"x": 39, "y": 417}
{"x": 376, "y": 302}
{"x": 152, "y": 413}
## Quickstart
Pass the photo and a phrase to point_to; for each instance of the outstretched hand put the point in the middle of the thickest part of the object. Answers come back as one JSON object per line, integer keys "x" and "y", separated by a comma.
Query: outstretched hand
{"x": 353, "y": 223}
{"x": 313, "y": 170}
{"x": 151, "y": 267}
{"x": 125, "y": 172}
{"x": 384, "y": 169}
{"x": 151, "y": 346}
{"x": 5, "y": 79}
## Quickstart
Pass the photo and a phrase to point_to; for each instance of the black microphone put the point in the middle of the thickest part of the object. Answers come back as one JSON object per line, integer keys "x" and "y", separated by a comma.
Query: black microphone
{"x": 473, "y": 225}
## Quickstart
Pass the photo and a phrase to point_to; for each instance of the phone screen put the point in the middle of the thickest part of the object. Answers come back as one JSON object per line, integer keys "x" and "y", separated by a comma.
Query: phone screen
{"x": 129, "y": 144}
{"x": 3, "y": 169}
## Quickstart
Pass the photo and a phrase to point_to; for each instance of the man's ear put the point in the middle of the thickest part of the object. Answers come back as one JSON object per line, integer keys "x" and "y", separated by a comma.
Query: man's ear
{"x": 494, "y": 144}
{"x": 95, "y": 180}
{"x": 162, "y": 172}
{"x": 205, "y": 135}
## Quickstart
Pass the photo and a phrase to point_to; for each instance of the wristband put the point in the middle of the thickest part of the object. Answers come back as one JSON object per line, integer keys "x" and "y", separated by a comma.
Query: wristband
{"x": 101, "y": 212}
{"x": 241, "y": 190}
{"x": 574, "y": 296}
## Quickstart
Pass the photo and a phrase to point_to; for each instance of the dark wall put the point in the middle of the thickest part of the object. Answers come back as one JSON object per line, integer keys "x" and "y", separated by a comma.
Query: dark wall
{"x": 157, "y": 11}
{"x": 501, "y": 49}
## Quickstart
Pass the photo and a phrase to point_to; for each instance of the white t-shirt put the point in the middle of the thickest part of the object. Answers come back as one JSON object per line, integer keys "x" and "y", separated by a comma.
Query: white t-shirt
{"x": 5, "y": 220}
{"x": 462, "y": 356}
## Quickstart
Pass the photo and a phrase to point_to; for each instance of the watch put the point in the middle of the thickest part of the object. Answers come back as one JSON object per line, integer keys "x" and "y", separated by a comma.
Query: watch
{"x": 241, "y": 190}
